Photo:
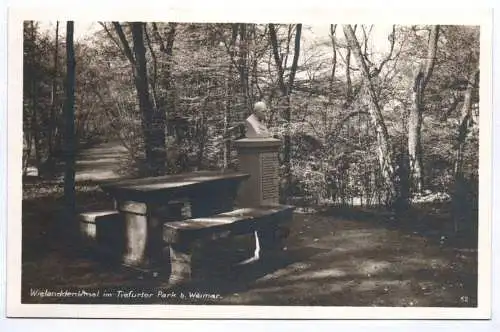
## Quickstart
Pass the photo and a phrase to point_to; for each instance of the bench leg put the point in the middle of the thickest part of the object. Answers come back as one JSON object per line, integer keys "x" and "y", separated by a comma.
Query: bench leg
{"x": 143, "y": 240}
{"x": 270, "y": 240}
{"x": 180, "y": 263}
{"x": 136, "y": 230}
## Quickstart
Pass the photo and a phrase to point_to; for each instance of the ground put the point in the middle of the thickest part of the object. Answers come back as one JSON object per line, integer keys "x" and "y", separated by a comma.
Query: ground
{"x": 333, "y": 258}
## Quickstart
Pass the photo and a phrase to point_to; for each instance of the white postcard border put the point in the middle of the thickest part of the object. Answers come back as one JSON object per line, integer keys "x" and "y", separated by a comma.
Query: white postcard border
{"x": 471, "y": 16}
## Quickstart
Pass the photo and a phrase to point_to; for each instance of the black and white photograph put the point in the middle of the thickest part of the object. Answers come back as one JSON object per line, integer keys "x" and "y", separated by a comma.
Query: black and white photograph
{"x": 249, "y": 164}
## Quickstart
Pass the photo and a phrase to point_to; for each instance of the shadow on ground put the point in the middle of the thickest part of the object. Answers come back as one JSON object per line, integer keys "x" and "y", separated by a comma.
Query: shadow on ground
{"x": 430, "y": 220}
{"x": 327, "y": 261}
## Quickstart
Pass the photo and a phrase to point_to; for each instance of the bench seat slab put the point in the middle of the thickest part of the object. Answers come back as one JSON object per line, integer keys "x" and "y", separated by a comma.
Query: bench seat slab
{"x": 266, "y": 222}
{"x": 239, "y": 221}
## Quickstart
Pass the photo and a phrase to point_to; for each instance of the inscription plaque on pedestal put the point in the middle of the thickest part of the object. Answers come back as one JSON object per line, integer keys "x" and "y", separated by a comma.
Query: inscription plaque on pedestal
{"x": 269, "y": 177}
{"x": 259, "y": 158}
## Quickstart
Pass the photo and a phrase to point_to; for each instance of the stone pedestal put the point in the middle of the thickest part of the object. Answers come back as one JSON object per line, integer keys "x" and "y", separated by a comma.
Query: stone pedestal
{"x": 259, "y": 158}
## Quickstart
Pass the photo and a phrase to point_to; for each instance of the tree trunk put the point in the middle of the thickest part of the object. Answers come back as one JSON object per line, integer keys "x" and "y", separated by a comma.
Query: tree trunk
{"x": 154, "y": 76}
{"x": 286, "y": 90}
{"x": 153, "y": 121}
{"x": 460, "y": 203}
{"x": 384, "y": 150}
{"x": 52, "y": 120}
{"x": 349, "y": 93}
{"x": 227, "y": 120}
{"x": 416, "y": 113}
{"x": 243, "y": 68}
{"x": 69, "y": 125}
{"x": 465, "y": 122}
{"x": 414, "y": 138}
{"x": 333, "y": 28}
{"x": 229, "y": 96}
{"x": 167, "y": 49}
{"x": 26, "y": 150}
{"x": 34, "y": 100}
{"x": 202, "y": 137}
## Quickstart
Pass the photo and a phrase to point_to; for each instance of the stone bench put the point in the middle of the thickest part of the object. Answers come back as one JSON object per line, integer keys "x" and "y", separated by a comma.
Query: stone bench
{"x": 102, "y": 232}
{"x": 268, "y": 223}
{"x": 106, "y": 232}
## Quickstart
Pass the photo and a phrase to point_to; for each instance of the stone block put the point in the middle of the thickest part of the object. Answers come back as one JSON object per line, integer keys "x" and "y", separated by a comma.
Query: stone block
{"x": 102, "y": 232}
{"x": 143, "y": 245}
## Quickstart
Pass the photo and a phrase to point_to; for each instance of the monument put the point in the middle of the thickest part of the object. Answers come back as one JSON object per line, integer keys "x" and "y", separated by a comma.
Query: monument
{"x": 258, "y": 156}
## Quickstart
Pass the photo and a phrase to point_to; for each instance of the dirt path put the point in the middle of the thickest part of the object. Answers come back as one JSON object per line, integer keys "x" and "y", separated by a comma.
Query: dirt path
{"x": 100, "y": 162}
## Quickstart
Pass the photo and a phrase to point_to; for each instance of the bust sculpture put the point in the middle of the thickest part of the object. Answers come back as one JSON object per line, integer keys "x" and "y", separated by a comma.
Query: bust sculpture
{"x": 255, "y": 128}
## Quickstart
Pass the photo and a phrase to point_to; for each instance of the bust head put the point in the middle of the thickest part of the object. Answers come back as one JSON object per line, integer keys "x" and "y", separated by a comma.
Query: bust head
{"x": 259, "y": 109}
{"x": 254, "y": 123}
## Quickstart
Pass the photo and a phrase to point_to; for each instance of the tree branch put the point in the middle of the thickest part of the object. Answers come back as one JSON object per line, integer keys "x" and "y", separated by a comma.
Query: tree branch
{"x": 296, "y": 54}
{"x": 284, "y": 60}
{"x": 170, "y": 39}
{"x": 333, "y": 28}
{"x": 155, "y": 65}
{"x": 346, "y": 118}
{"x": 365, "y": 44}
{"x": 277, "y": 59}
{"x": 110, "y": 35}
{"x": 126, "y": 47}
{"x": 392, "y": 40}
{"x": 431, "y": 55}
{"x": 230, "y": 47}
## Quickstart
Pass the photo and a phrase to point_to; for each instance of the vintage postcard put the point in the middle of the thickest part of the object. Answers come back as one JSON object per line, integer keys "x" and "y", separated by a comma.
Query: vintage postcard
{"x": 281, "y": 164}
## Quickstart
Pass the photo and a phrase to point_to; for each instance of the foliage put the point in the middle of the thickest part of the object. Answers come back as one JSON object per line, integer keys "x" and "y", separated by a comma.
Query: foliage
{"x": 205, "y": 78}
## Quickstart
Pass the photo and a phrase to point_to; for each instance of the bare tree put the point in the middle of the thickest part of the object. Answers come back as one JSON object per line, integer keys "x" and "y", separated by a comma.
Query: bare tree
{"x": 69, "y": 125}
{"x": 166, "y": 47}
{"x": 421, "y": 80}
{"x": 384, "y": 151}
{"x": 52, "y": 120}
{"x": 460, "y": 204}
{"x": 286, "y": 90}
{"x": 153, "y": 120}
{"x": 243, "y": 67}
{"x": 34, "y": 99}
{"x": 229, "y": 95}
{"x": 333, "y": 29}
{"x": 465, "y": 120}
